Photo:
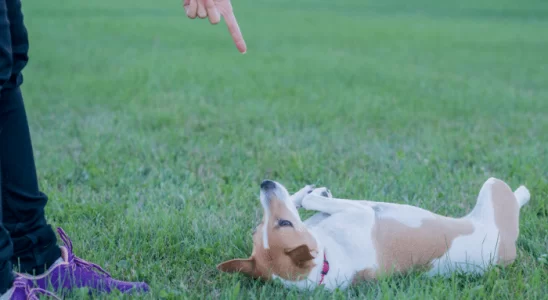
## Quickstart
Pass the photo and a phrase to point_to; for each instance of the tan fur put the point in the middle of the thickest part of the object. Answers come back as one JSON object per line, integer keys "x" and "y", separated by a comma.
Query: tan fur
{"x": 364, "y": 275}
{"x": 400, "y": 247}
{"x": 506, "y": 211}
{"x": 247, "y": 266}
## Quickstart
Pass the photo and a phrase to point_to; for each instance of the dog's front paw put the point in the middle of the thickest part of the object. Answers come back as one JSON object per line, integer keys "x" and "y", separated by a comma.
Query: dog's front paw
{"x": 322, "y": 191}
{"x": 313, "y": 196}
{"x": 308, "y": 189}
{"x": 297, "y": 198}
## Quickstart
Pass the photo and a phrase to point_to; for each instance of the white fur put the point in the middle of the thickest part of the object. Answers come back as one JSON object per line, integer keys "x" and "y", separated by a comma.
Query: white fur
{"x": 266, "y": 209}
{"x": 408, "y": 215}
{"x": 343, "y": 228}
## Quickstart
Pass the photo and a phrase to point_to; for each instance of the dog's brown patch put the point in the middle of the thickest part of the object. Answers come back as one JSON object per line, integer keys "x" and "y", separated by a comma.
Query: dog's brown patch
{"x": 364, "y": 275}
{"x": 401, "y": 248}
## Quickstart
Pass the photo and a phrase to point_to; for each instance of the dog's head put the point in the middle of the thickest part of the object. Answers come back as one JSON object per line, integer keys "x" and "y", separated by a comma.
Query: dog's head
{"x": 282, "y": 245}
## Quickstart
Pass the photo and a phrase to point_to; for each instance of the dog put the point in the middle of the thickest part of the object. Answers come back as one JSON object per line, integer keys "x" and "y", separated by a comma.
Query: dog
{"x": 349, "y": 241}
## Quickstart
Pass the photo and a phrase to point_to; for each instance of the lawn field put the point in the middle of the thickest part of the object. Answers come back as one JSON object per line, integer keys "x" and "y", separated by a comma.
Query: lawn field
{"x": 152, "y": 133}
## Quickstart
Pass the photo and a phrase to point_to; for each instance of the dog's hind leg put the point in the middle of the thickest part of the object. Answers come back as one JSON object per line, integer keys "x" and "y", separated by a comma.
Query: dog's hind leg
{"x": 495, "y": 194}
{"x": 498, "y": 208}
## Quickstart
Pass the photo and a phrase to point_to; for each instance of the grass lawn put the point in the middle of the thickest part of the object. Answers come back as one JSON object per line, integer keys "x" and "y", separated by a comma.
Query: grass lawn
{"x": 152, "y": 133}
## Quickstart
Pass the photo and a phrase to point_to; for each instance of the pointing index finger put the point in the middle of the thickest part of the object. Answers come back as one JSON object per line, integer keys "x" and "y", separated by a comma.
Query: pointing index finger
{"x": 225, "y": 8}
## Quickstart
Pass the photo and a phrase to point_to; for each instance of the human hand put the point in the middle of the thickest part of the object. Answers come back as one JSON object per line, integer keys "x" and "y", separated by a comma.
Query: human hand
{"x": 213, "y": 10}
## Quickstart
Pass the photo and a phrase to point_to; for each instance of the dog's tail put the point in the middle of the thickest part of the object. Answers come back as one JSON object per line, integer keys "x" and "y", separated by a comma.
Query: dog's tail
{"x": 522, "y": 195}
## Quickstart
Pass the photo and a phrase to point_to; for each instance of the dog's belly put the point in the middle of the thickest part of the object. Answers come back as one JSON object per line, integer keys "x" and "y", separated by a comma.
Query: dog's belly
{"x": 373, "y": 242}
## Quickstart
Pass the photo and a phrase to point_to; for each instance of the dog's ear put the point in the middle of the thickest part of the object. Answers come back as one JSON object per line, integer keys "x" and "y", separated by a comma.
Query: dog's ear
{"x": 300, "y": 254}
{"x": 241, "y": 265}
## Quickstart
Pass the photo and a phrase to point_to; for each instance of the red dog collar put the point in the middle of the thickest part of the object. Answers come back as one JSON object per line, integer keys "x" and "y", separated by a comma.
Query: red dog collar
{"x": 325, "y": 268}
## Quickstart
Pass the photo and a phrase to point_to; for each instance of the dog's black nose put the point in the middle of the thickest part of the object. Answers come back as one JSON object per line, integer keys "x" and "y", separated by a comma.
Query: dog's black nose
{"x": 267, "y": 185}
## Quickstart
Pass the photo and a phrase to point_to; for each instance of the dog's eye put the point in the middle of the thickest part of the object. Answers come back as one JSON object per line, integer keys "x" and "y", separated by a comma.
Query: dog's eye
{"x": 283, "y": 223}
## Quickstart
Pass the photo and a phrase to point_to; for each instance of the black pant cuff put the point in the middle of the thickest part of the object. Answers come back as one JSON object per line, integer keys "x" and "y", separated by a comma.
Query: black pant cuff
{"x": 39, "y": 261}
{"x": 6, "y": 277}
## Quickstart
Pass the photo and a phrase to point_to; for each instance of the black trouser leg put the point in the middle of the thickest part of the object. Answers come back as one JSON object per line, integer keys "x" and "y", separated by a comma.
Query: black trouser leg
{"x": 34, "y": 241}
{"x": 6, "y": 245}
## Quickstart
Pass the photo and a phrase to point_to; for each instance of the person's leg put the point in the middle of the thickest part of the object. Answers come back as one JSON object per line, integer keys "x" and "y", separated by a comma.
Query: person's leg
{"x": 6, "y": 245}
{"x": 34, "y": 241}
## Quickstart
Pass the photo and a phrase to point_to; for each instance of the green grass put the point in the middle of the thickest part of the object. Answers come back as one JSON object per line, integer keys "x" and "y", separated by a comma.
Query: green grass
{"x": 152, "y": 133}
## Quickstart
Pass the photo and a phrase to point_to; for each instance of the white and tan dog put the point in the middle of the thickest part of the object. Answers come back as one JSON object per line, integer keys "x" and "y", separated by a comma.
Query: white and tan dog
{"x": 352, "y": 240}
